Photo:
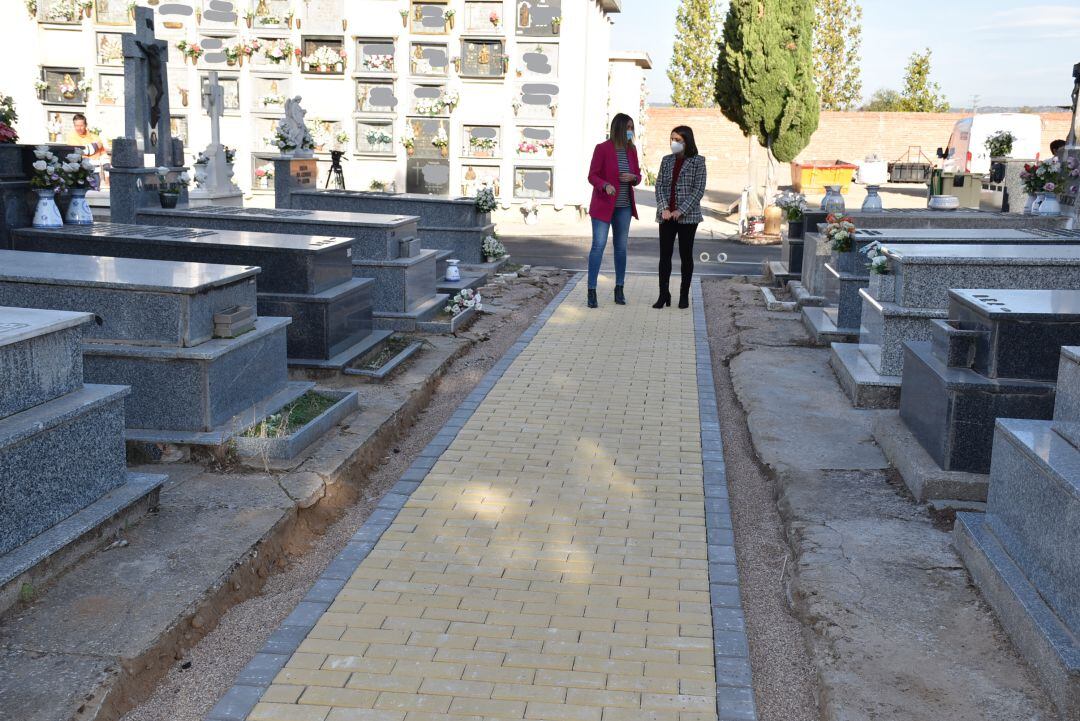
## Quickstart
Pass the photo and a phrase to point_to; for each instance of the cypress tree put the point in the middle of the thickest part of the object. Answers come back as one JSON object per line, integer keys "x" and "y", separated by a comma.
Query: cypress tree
{"x": 693, "y": 64}
{"x": 765, "y": 73}
{"x": 837, "y": 40}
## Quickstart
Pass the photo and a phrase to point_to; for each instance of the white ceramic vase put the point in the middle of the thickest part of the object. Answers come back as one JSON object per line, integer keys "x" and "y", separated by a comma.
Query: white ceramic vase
{"x": 46, "y": 213}
{"x": 78, "y": 212}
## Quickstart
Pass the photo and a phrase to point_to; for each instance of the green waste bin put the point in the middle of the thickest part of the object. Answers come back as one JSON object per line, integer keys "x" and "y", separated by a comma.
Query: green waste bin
{"x": 965, "y": 186}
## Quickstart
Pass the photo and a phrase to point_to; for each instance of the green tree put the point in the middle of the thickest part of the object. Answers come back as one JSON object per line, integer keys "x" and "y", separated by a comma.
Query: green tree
{"x": 765, "y": 82}
{"x": 884, "y": 100}
{"x": 693, "y": 63}
{"x": 919, "y": 94}
{"x": 837, "y": 40}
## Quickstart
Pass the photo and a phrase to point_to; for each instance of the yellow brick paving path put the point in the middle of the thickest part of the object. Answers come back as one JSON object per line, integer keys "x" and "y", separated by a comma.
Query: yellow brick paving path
{"x": 553, "y": 563}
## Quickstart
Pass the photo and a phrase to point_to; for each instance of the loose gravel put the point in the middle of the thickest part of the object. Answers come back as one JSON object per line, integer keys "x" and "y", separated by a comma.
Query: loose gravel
{"x": 785, "y": 680}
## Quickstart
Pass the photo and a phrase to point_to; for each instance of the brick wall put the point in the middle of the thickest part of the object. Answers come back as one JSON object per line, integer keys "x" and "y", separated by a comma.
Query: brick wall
{"x": 847, "y": 136}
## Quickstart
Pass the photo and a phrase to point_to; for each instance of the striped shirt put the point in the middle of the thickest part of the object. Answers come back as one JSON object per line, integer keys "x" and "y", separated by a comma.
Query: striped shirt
{"x": 623, "y": 201}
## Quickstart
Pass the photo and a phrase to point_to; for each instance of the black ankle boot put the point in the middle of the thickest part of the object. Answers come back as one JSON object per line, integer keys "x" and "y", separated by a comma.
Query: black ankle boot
{"x": 665, "y": 300}
{"x": 684, "y": 297}
{"x": 592, "y": 298}
{"x": 620, "y": 298}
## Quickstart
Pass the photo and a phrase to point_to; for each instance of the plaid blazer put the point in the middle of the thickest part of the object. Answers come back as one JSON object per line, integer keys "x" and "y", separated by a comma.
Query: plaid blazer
{"x": 689, "y": 191}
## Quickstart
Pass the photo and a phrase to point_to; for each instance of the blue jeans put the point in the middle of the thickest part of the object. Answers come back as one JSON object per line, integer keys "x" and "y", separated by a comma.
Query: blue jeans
{"x": 620, "y": 225}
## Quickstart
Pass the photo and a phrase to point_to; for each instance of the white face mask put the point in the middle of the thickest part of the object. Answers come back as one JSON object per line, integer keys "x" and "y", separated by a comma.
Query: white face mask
{"x": 677, "y": 147}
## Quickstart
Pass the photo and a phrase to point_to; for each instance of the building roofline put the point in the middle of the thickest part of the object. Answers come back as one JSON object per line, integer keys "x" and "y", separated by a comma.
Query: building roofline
{"x": 638, "y": 57}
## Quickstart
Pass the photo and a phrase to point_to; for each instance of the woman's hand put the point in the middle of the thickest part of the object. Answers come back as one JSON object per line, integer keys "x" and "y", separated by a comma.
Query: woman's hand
{"x": 676, "y": 214}
{"x": 609, "y": 189}
{"x": 628, "y": 177}
{"x": 665, "y": 214}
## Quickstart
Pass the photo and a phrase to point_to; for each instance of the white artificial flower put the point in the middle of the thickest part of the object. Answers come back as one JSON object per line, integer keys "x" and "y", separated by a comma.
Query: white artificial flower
{"x": 184, "y": 177}
{"x": 40, "y": 165}
{"x": 87, "y": 165}
{"x": 74, "y": 157}
{"x": 163, "y": 170}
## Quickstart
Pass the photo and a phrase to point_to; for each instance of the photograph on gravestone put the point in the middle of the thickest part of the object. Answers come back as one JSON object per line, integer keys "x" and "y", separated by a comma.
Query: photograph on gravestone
{"x": 539, "y": 17}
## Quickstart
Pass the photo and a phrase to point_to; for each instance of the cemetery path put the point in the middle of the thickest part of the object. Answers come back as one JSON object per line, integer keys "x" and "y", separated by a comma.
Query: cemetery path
{"x": 548, "y": 556}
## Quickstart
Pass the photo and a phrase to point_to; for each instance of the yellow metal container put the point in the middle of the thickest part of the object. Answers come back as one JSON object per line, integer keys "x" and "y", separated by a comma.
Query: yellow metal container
{"x": 813, "y": 176}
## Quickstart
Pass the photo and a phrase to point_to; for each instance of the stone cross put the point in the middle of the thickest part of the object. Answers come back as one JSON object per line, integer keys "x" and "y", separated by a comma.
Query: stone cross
{"x": 218, "y": 177}
{"x": 146, "y": 90}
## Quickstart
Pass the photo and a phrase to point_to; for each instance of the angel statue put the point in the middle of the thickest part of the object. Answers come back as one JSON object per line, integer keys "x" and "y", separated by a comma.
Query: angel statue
{"x": 293, "y": 135}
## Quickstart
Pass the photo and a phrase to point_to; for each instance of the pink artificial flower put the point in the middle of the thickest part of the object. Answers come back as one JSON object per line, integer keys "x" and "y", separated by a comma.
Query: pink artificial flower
{"x": 1050, "y": 187}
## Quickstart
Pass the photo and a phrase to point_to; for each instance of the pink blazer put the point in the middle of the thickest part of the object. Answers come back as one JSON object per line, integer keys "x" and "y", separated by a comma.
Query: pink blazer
{"x": 604, "y": 169}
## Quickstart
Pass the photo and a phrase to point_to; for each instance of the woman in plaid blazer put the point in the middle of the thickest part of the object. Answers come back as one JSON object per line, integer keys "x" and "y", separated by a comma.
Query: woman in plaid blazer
{"x": 680, "y": 185}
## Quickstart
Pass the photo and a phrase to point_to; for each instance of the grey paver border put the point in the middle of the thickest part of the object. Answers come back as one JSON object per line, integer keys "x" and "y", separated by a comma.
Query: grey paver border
{"x": 731, "y": 651}
{"x": 256, "y": 677}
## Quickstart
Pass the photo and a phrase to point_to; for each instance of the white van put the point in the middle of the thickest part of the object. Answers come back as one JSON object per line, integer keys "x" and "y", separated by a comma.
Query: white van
{"x": 966, "y": 152}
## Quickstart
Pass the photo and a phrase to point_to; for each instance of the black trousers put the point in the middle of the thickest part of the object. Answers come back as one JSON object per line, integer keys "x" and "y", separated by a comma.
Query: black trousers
{"x": 685, "y": 232}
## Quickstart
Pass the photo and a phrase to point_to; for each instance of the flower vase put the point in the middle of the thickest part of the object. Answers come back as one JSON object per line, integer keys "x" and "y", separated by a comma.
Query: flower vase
{"x": 46, "y": 214}
{"x": 872, "y": 203}
{"x": 445, "y": 152}
{"x": 410, "y": 151}
{"x": 1039, "y": 197}
{"x": 1049, "y": 205}
{"x": 1029, "y": 204}
{"x": 168, "y": 198}
{"x": 833, "y": 201}
{"x": 78, "y": 212}
{"x": 453, "y": 273}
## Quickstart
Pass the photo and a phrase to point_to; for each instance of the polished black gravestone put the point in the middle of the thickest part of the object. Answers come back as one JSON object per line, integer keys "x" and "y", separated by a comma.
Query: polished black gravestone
{"x": 996, "y": 357}
{"x": 306, "y": 278}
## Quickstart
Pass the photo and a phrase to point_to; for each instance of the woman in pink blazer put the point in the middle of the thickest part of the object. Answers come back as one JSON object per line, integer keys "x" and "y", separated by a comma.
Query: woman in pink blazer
{"x": 613, "y": 174}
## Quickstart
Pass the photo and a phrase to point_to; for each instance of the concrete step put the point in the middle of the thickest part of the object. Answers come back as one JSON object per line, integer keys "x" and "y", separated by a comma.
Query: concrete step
{"x": 468, "y": 280}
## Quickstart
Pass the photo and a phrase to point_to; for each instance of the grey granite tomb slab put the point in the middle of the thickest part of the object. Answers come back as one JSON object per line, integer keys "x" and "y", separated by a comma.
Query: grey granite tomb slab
{"x": 57, "y": 458}
{"x": 136, "y": 301}
{"x": 289, "y": 263}
{"x": 926, "y": 218}
{"x": 374, "y": 235}
{"x": 300, "y": 269}
{"x": 818, "y": 250}
{"x": 1021, "y": 553}
{"x": 1067, "y": 410}
{"x": 40, "y": 356}
{"x": 926, "y": 272}
{"x": 451, "y": 224}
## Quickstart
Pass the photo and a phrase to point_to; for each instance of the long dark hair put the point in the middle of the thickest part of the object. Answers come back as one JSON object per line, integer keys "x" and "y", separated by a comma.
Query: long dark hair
{"x": 687, "y": 134}
{"x": 619, "y": 125}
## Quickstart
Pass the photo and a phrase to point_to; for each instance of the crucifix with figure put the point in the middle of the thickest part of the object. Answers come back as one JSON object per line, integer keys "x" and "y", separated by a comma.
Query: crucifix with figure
{"x": 214, "y": 177}
{"x": 146, "y": 90}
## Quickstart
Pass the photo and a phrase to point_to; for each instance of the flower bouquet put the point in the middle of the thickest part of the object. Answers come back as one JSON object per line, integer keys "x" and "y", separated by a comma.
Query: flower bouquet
{"x": 278, "y": 52}
{"x": 442, "y": 142}
{"x": 67, "y": 88}
{"x": 190, "y": 51}
{"x": 492, "y": 248}
{"x": 408, "y": 140}
{"x": 879, "y": 260}
{"x": 378, "y": 140}
{"x": 840, "y": 231}
{"x": 527, "y": 147}
{"x": 494, "y": 19}
{"x": 463, "y": 301}
{"x": 46, "y": 167}
{"x": 793, "y": 204}
{"x": 41, "y": 87}
{"x": 379, "y": 63}
{"x": 483, "y": 147}
{"x": 326, "y": 59}
{"x": 1000, "y": 144}
{"x": 429, "y": 106}
{"x": 485, "y": 200}
{"x": 450, "y": 99}
{"x": 169, "y": 187}
{"x": 263, "y": 175}
{"x": 548, "y": 146}
{"x": 272, "y": 101}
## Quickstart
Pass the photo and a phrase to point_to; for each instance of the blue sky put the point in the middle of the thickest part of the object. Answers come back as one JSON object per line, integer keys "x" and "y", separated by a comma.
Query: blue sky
{"x": 1008, "y": 53}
